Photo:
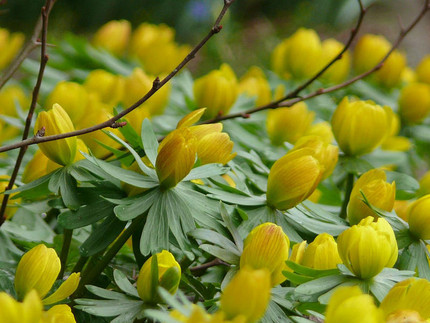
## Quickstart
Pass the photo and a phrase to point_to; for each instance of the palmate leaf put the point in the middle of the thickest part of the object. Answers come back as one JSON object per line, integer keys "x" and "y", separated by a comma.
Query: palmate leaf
{"x": 149, "y": 141}
{"x": 215, "y": 238}
{"x": 240, "y": 199}
{"x": 137, "y": 205}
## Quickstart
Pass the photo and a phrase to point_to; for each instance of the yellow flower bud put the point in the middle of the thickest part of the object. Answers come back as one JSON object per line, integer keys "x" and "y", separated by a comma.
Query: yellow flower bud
{"x": 57, "y": 121}
{"x": 35, "y": 168}
{"x": 12, "y": 311}
{"x": 401, "y": 209}
{"x": 425, "y": 184}
{"x": 321, "y": 253}
{"x": 255, "y": 84}
{"x": 326, "y": 154}
{"x": 414, "y": 102}
{"x": 394, "y": 142}
{"x": 107, "y": 86}
{"x": 267, "y": 246}
{"x": 359, "y": 126}
{"x": 10, "y": 44}
{"x": 59, "y": 313}
{"x": 423, "y": 70}
{"x": 217, "y": 91}
{"x": 137, "y": 85}
{"x": 113, "y": 36}
{"x": 288, "y": 124}
{"x": 169, "y": 276}
{"x": 408, "y": 75}
{"x": 323, "y": 130}
{"x": 339, "y": 71}
{"x": 176, "y": 157}
{"x": 368, "y": 247}
{"x": 369, "y": 51}
{"x": 10, "y": 96}
{"x": 299, "y": 55}
{"x": 350, "y": 305}
{"x": 80, "y": 147}
{"x": 247, "y": 294}
{"x": 72, "y": 97}
{"x": 11, "y": 207}
{"x": 412, "y": 294}
{"x": 378, "y": 192}
{"x": 293, "y": 178}
{"x": 419, "y": 218}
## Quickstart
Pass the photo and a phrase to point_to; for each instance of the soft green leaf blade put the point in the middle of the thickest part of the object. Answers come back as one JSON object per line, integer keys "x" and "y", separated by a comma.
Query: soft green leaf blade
{"x": 155, "y": 234}
{"x": 124, "y": 284}
{"x": 85, "y": 215}
{"x": 206, "y": 171}
{"x": 104, "y": 293}
{"x": 149, "y": 141}
{"x": 221, "y": 253}
{"x": 126, "y": 212}
{"x": 215, "y": 238}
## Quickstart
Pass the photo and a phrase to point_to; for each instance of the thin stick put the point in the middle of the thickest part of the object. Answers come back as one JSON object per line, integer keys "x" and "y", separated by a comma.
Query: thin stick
{"x": 46, "y": 9}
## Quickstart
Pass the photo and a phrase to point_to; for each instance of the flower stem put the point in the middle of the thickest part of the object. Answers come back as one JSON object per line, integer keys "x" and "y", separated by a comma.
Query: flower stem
{"x": 67, "y": 239}
{"x": 349, "y": 185}
{"x": 80, "y": 264}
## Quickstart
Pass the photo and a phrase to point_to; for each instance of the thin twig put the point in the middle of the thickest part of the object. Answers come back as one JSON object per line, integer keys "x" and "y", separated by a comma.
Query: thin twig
{"x": 209, "y": 264}
{"x": 156, "y": 85}
{"x": 46, "y": 9}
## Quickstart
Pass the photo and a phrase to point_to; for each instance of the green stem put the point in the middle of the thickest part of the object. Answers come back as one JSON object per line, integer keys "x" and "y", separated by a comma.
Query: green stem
{"x": 67, "y": 240}
{"x": 92, "y": 272}
{"x": 349, "y": 185}
{"x": 80, "y": 264}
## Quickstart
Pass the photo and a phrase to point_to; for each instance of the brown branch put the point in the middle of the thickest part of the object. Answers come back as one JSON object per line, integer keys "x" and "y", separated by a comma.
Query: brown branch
{"x": 157, "y": 84}
{"x": 46, "y": 9}
{"x": 207, "y": 265}
{"x": 283, "y": 103}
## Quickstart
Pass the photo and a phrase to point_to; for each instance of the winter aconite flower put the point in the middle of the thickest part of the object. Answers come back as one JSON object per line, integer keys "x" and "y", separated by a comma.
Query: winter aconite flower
{"x": 267, "y": 246}
{"x": 10, "y": 43}
{"x": 168, "y": 276}
{"x": 423, "y": 70}
{"x": 113, "y": 36}
{"x": 37, "y": 270}
{"x": 108, "y": 87}
{"x": 368, "y": 247}
{"x": 57, "y": 121}
{"x": 339, "y": 71}
{"x": 414, "y": 102}
{"x": 254, "y": 84}
{"x": 419, "y": 218}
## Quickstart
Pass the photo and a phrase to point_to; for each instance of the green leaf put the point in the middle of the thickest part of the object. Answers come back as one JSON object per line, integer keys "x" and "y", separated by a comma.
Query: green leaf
{"x": 231, "y": 227}
{"x": 221, "y": 253}
{"x": 35, "y": 189}
{"x": 149, "y": 141}
{"x": 320, "y": 285}
{"x": 140, "y": 205}
{"x": 233, "y": 198}
{"x": 215, "y": 238}
{"x": 296, "y": 278}
{"x": 316, "y": 273}
{"x": 206, "y": 171}
{"x": 124, "y": 284}
{"x": 56, "y": 179}
{"x": 104, "y": 293}
{"x": 354, "y": 165}
{"x": 108, "y": 308}
{"x": 154, "y": 276}
{"x": 69, "y": 191}
{"x": 406, "y": 186}
{"x": 155, "y": 234}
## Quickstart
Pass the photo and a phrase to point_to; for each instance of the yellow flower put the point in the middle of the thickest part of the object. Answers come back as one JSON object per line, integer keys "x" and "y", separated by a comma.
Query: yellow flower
{"x": 411, "y": 295}
{"x": 11, "y": 208}
{"x": 10, "y": 97}
{"x": 255, "y": 84}
{"x": 322, "y": 130}
{"x": 423, "y": 70}
{"x": 378, "y": 192}
{"x": 408, "y": 75}
{"x": 57, "y": 121}
{"x": 267, "y": 246}
{"x": 288, "y": 124}
{"x": 107, "y": 86}
{"x": 419, "y": 218}
{"x": 368, "y": 247}
{"x": 169, "y": 276}
{"x": 394, "y": 142}
{"x": 425, "y": 184}
{"x": 298, "y": 56}
{"x": 350, "y": 305}
{"x": 38, "y": 269}
{"x": 369, "y": 51}
{"x": 414, "y": 102}
{"x": 326, "y": 154}
{"x": 359, "y": 126}
{"x": 339, "y": 71}
{"x": 137, "y": 85}
{"x": 217, "y": 91}
{"x": 321, "y": 253}
{"x": 113, "y": 36}
{"x": 247, "y": 294}
{"x": 401, "y": 209}
{"x": 10, "y": 44}
{"x": 36, "y": 167}
{"x": 29, "y": 311}
{"x": 72, "y": 97}
{"x": 58, "y": 313}
{"x": 293, "y": 178}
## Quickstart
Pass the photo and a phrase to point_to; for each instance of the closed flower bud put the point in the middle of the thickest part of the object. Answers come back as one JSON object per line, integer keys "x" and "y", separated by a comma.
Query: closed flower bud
{"x": 419, "y": 218}
{"x": 298, "y": 56}
{"x": 359, "y": 126}
{"x": 255, "y": 84}
{"x": 321, "y": 253}
{"x": 11, "y": 208}
{"x": 408, "y": 75}
{"x": 414, "y": 102}
{"x": 368, "y": 247}
{"x": 322, "y": 130}
{"x": 107, "y": 86}
{"x": 423, "y": 70}
{"x": 113, "y": 36}
{"x": 425, "y": 184}
{"x": 10, "y": 97}
{"x": 59, "y": 313}
{"x": 217, "y": 91}
{"x": 10, "y": 44}
{"x": 369, "y": 51}
{"x": 137, "y": 85}
{"x": 176, "y": 157}
{"x": 169, "y": 276}
{"x": 35, "y": 168}
{"x": 12, "y": 311}
{"x": 373, "y": 184}
{"x": 38, "y": 269}
{"x": 72, "y": 97}
{"x": 409, "y": 298}
{"x": 326, "y": 154}
{"x": 247, "y": 294}
{"x": 394, "y": 142}
{"x": 57, "y": 121}
{"x": 267, "y": 246}
{"x": 288, "y": 124}
{"x": 293, "y": 178}
{"x": 350, "y": 305}
{"x": 339, "y": 71}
